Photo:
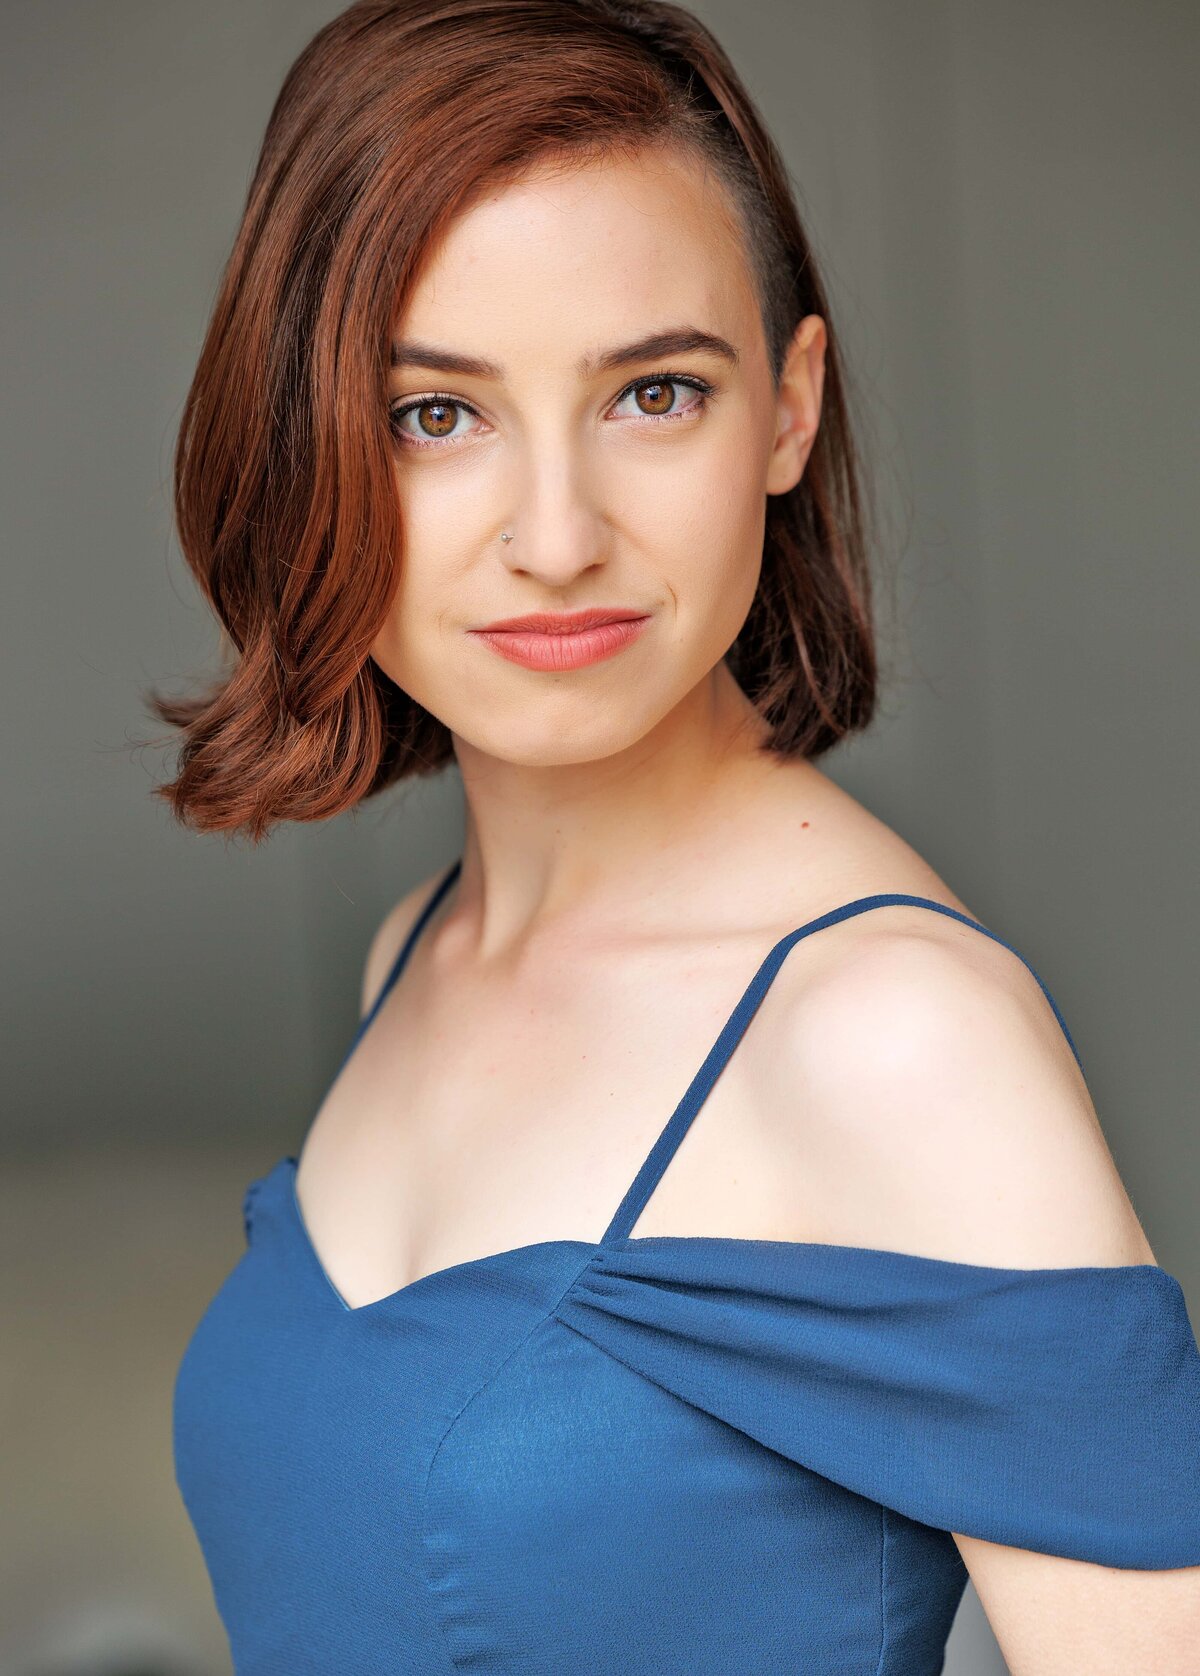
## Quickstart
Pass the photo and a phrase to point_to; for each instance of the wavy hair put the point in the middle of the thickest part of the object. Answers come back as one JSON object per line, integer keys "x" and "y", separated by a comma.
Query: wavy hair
{"x": 393, "y": 119}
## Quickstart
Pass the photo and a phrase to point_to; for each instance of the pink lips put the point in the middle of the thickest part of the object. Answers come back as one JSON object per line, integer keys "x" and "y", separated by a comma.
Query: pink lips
{"x": 555, "y": 640}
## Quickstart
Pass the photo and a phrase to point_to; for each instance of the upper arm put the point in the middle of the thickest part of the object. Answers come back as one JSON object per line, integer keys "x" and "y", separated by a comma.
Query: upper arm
{"x": 388, "y": 940}
{"x": 1053, "y": 1616}
{"x": 947, "y": 1082}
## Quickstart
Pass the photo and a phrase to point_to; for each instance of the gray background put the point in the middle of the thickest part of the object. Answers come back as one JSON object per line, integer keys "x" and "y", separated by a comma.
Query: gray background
{"x": 1002, "y": 198}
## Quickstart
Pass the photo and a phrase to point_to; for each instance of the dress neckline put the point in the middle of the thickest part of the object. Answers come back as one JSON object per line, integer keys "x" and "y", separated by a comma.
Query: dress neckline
{"x": 649, "y": 1245}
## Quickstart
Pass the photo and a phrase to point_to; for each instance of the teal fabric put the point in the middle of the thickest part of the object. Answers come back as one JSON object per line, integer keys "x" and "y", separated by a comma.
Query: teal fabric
{"x": 678, "y": 1456}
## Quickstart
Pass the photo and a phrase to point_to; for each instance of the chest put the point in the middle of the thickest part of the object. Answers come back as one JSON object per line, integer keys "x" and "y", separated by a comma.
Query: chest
{"x": 480, "y": 1116}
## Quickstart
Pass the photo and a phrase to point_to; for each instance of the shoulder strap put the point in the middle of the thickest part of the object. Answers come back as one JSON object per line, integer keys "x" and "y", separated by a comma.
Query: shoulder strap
{"x": 401, "y": 959}
{"x": 697, "y": 1092}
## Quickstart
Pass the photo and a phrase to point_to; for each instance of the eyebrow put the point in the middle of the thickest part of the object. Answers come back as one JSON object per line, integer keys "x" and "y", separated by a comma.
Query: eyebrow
{"x": 676, "y": 340}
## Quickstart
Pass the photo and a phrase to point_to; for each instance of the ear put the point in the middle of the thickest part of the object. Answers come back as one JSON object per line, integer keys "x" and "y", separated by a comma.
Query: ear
{"x": 798, "y": 405}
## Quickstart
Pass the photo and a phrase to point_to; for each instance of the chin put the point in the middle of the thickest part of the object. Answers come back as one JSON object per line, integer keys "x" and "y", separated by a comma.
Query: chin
{"x": 535, "y": 738}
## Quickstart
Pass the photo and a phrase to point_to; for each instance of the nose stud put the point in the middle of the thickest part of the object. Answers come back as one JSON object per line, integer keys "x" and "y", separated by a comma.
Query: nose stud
{"x": 504, "y": 535}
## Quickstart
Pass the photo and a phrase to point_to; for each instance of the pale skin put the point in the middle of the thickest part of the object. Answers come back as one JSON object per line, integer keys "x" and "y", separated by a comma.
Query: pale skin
{"x": 628, "y": 858}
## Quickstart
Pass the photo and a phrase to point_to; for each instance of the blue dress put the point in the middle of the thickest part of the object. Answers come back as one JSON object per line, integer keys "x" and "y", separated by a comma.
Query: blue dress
{"x": 671, "y": 1455}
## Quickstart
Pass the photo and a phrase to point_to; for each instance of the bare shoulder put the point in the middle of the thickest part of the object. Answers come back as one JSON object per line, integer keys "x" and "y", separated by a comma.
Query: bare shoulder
{"x": 389, "y": 938}
{"x": 932, "y": 1070}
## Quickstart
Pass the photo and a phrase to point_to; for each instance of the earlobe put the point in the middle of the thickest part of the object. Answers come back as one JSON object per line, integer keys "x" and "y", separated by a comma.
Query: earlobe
{"x": 798, "y": 405}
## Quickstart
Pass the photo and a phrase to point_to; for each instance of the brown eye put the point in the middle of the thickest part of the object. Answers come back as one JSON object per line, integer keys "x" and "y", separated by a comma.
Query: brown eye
{"x": 655, "y": 398}
{"x": 662, "y": 398}
{"x": 436, "y": 418}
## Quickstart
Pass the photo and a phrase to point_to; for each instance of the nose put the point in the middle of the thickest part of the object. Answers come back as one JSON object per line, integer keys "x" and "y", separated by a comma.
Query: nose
{"x": 554, "y": 514}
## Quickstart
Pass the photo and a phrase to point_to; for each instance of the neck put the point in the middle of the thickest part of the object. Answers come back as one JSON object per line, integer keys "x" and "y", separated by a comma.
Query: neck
{"x": 548, "y": 843}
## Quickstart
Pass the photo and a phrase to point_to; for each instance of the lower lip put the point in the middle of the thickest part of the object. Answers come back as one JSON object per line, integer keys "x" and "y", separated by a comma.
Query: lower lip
{"x": 562, "y": 651}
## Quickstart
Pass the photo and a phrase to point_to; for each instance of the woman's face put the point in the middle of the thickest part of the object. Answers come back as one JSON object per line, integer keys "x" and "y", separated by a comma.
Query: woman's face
{"x": 528, "y": 397}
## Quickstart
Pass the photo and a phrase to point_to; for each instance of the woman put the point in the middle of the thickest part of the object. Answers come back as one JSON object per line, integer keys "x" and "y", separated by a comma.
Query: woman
{"x": 519, "y": 437}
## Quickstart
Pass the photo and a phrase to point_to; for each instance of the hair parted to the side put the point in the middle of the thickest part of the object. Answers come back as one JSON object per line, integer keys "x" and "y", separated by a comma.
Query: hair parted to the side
{"x": 395, "y": 117}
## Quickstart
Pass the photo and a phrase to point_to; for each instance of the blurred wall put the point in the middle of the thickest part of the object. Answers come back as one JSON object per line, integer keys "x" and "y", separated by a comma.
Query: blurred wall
{"x": 1003, "y": 199}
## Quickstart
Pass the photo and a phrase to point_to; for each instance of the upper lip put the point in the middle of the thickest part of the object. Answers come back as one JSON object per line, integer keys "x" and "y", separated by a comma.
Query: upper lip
{"x": 565, "y": 622}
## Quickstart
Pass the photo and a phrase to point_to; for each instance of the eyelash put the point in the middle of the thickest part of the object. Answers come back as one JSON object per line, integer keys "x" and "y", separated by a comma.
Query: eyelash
{"x": 690, "y": 380}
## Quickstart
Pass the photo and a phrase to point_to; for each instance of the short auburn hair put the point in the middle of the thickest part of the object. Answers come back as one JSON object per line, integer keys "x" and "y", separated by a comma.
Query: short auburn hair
{"x": 393, "y": 120}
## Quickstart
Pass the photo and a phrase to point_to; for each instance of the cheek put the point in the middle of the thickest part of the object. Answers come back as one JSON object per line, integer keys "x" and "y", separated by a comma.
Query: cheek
{"x": 438, "y": 510}
{"x": 449, "y": 517}
{"x": 706, "y": 524}
{"x": 410, "y": 630}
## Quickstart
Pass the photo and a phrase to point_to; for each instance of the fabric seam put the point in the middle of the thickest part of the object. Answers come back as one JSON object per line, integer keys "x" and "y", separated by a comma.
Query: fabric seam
{"x": 495, "y": 1373}
{"x": 883, "y": 1546}
{"x": 720, "y": 1420}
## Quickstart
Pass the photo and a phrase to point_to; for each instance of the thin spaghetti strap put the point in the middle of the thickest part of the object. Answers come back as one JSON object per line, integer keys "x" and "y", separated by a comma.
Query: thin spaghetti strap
{"x": 401, "y": 959}
{"x": 667, "y": 1144}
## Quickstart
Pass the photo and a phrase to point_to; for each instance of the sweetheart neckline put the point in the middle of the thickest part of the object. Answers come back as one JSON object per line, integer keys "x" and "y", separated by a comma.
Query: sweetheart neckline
{"x": 630, "y": 1242}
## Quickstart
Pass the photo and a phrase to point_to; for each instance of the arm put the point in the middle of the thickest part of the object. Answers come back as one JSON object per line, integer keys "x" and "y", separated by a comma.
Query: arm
{"x": 945, "y": 1085}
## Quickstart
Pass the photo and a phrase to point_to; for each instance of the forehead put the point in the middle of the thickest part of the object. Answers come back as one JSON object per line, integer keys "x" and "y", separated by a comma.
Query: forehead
{"x": 576, "y": 255}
